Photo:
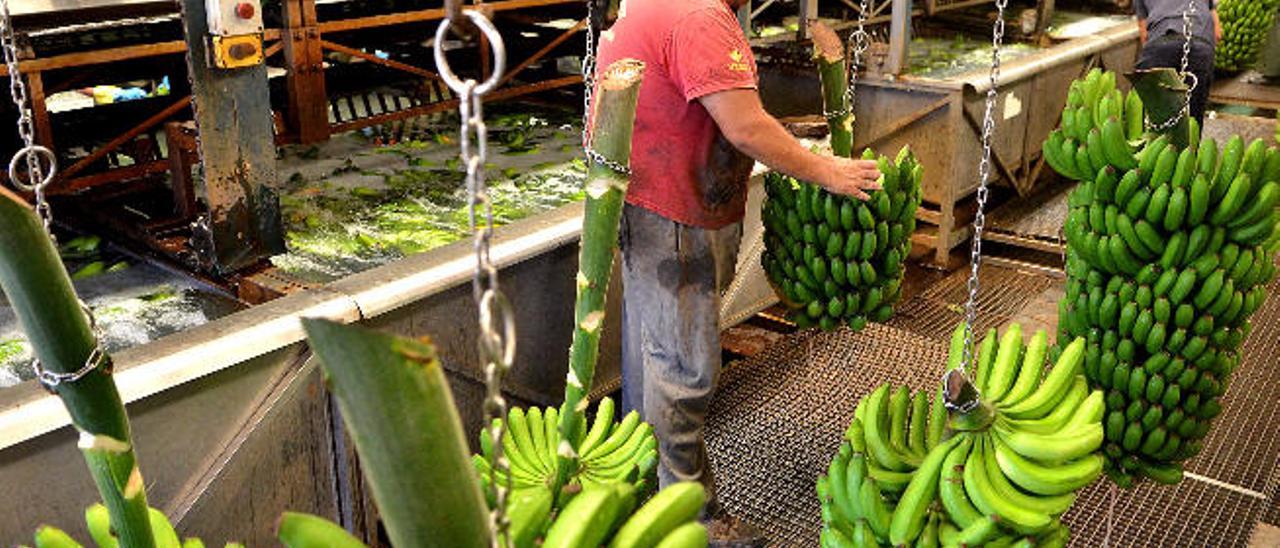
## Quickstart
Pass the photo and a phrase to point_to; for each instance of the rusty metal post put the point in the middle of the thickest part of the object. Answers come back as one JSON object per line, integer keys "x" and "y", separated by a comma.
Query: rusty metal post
{"x": 308, "y": 110}
{"x": 808, "y": 10}
{"x": 899, "y": 37}
{"x": 241, "y": 226}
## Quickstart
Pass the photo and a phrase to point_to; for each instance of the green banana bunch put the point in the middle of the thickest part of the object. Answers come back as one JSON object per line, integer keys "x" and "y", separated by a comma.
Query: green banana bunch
{"x": 610, "y": 452}
{"x": 912, "y": 473}
{"x": 838, "y": 260}
{"x": 97, "y": 520}
{"x": 1166, "y": 262}
{"x": 606, "y": 514}
{"x": 1245, "y": 25}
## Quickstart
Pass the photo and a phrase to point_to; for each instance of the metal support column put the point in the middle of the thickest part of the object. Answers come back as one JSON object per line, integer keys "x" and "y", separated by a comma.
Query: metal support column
{"x": 308, "y": 112}
{"x": 744, "y": 18}
{"x": 241, "y": 225}
{"x": 808, "y": 10}
{"x": 899, "y": 37}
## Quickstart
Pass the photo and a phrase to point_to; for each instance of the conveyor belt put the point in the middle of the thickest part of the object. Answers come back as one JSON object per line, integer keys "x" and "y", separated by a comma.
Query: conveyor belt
{"x": 780, "y": 415}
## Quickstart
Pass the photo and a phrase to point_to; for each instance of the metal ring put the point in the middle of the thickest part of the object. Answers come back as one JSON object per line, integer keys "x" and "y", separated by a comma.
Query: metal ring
{"x": 495, "y": 43}
{"x": 23, "y": 153}
{"x": 492, "y": 302}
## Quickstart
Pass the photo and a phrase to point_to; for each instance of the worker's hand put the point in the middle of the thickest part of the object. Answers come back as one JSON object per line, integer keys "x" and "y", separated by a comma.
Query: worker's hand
{"x": 1217, "y": 28}
{"x": 850, "y": 177}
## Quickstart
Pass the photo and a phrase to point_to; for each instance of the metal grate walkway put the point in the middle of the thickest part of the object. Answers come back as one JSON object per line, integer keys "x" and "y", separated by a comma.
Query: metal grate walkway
{"x": 780, "y": 415}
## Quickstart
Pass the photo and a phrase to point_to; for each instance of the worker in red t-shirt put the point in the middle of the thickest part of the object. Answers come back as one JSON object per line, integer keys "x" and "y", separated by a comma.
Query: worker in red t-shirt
{"x": 698, "y": 112}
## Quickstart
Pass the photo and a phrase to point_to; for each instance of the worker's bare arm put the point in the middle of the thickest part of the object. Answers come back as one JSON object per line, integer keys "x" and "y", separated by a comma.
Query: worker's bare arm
{"x": 744, "y": 122}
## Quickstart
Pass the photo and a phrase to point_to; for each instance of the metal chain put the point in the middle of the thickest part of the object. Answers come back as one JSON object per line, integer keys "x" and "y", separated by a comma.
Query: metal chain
{"x": 1186, "y": 61}
{"x": 984, "y": 173}
{"x": 858, "y": 43}
{"x": 38, "y": 178}
{"x": 497, "y": 337}
{"x": 588, "y": 91}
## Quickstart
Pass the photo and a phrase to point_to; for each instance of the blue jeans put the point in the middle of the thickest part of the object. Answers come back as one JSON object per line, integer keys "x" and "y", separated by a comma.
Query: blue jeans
{"x": 673, "y": 276}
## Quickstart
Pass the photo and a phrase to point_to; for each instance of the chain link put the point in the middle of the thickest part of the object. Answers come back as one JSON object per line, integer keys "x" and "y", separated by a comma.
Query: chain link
{"x": 497, "y": 339}
{"x": 984, "y": 173}
{"x": 1187, "y": 14}
{"x": 588, "y": 92}
{"x": 859, "y": 41}
{"x": 37, "y": 176}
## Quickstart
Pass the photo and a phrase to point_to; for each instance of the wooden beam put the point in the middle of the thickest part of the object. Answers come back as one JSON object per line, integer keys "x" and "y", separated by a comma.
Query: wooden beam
{"x": 899, "y": 37}
{"x": 326, "y": 44}
{"x": 40, "y": 110}
{"x": 111, "y": 55}
{"x": 433, "y": 14}
{"x": 123, "y": 138}
{"x": 543, "y": 52}
{"x": 109, "y": 176}
{"x": 307, "y": 112}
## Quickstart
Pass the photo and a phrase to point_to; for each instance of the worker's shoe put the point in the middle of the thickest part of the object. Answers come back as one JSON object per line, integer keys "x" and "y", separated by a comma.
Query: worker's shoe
{"x": 726, "y": 531}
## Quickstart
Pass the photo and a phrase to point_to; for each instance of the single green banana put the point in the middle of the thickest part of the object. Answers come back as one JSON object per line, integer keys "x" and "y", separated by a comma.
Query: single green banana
{"x": 298, "y": 530}
{"x": 599, "y": 427}
{"x": 689, "y": 535}
{"x": 670, "y": 508}
{"x": 899, "y": 406}
{"x": 617, "y": 437}
{"x": 876, "y": 512}
{"x": 916, "y": 442}
{"x": 909, "y": 517}
{"x": 585, "y": 521}
{"x": 1055, "y": 479}
{"x": 937, "y": 420}
{"x": 1064, "y": 445}
{"x": 1055, "y": 386}
{"x": 986, "y": 357}
{"x": 1032, "y": 367}
{"x": 951, "y": 489}
{"x": 1053, "y": 505}
{"x": 987, "y": 501}
{"x": 1006, "y": 364}
{"x": 1061, "y": 414}
{"x": 878, "y": 444}
{"x": 52, "y": 537}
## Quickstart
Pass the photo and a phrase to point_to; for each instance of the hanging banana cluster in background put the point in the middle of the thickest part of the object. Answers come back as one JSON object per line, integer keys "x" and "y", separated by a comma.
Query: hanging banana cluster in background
{"x": 1169, "y": 249}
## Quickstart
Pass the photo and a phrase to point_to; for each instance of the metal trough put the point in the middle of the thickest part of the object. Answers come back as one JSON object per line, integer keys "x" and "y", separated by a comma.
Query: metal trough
{"x": 941, "y": 118}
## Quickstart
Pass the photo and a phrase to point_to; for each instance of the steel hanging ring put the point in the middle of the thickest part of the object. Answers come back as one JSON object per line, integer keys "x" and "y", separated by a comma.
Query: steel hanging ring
{"x": 23, "y": 154}
{"x": 495, "y": 43}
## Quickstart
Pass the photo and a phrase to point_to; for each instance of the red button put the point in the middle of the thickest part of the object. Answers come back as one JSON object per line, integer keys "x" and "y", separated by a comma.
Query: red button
{"x": 244, "y": 10}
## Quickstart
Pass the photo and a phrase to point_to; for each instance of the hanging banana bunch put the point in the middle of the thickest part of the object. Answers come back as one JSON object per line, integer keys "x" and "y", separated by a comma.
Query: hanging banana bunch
{"x": 624, "y": 451}
{"x": 912, "y": 473}
{"x": 835, "y": 260}
{"x": 1245, "y": 25}
{"x": 1169, "y": 250}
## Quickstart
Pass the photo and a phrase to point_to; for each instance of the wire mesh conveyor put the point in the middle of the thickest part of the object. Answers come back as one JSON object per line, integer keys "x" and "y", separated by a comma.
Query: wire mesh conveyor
{"x": 780, "y": 415}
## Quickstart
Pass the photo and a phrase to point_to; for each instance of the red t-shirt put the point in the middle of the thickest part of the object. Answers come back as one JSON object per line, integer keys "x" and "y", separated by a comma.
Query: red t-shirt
{"x": 682, "y": 167}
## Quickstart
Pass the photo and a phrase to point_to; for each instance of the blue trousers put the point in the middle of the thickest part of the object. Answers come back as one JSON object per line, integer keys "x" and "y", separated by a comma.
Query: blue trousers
{"x": 673, "y": 276}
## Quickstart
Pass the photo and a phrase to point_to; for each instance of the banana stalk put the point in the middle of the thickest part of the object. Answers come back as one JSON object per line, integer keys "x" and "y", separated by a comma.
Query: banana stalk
{"x": 1163, "y": 93}
{"x": 959, "y": 393}
{"x": 45, "y": 303}
{"x": 398, "y": 408}
{"x": 614, "y": 118}
{"x": 828, "y": 53}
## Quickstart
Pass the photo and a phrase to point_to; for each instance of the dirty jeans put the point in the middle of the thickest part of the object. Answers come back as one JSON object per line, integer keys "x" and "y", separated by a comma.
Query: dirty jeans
{"x": 673, "y": 276}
